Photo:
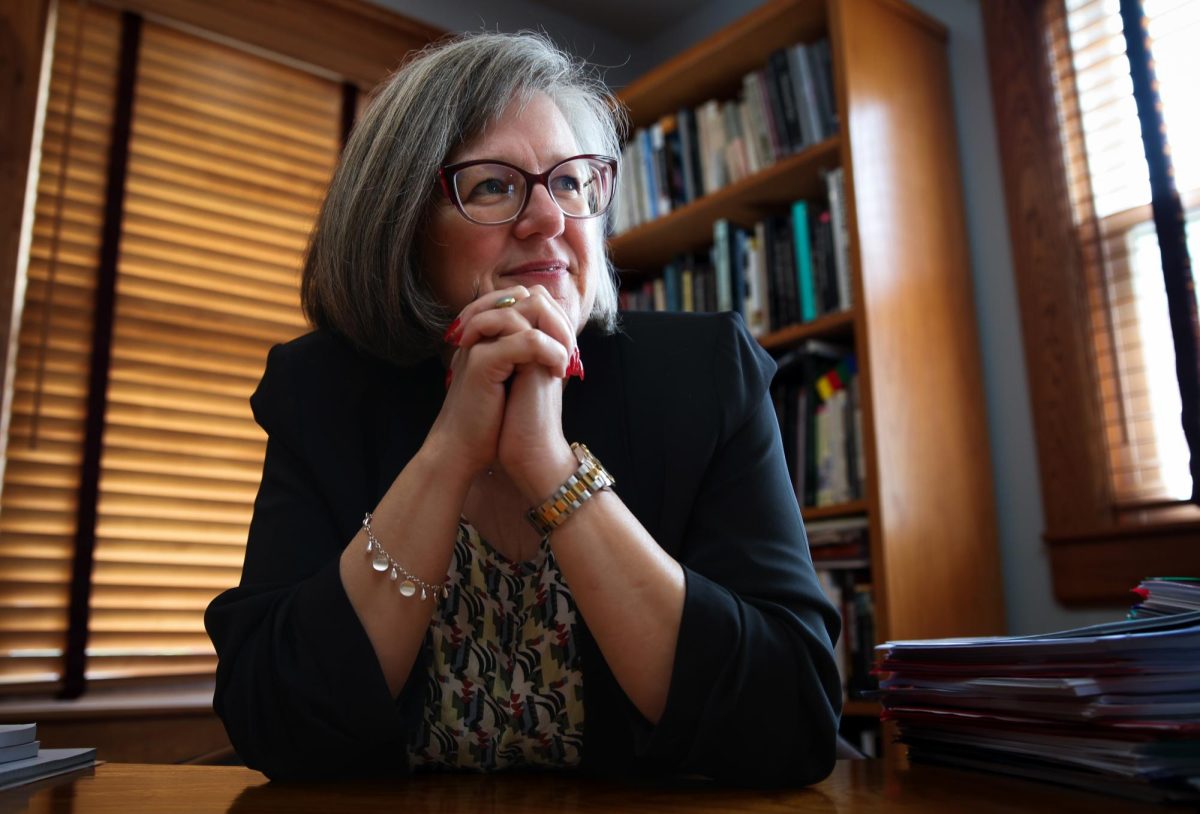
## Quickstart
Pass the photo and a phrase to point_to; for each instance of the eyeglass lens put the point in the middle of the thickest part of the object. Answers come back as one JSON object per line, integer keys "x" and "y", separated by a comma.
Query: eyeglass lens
{"x": 494, "y": 193}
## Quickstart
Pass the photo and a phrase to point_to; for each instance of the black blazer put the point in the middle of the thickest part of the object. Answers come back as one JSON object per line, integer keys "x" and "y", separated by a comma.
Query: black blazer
{"x": 677, "y": 408}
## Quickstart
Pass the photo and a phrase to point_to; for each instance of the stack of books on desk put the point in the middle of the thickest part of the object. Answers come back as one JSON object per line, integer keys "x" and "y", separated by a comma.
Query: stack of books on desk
{"x": 1163, "y": 596}
{"x": 1113, "y": 708}
{"x": 23, "y": 761}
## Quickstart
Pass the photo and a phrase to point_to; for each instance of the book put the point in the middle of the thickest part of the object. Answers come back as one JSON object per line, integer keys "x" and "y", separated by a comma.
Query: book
{"x": 780, "y": 74}
{"x": 18, "y": 751}
{"x": 649, "y": 174}
{"x": 821, "y": 61}
{"x": 810, "y": 116}
{"x": 47, "y": 763}
{"x": 12, "y": 734}
{"x": 802, "y": 245}
{"x": 836, "y": 188}
{"x": 1163, "y": 596}
{"x": 690, "y": 153}
{"x": 721, "y": 252}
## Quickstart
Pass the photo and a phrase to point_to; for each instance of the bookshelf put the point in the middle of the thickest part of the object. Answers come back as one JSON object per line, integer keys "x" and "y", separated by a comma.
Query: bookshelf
{"x": 928, "y": 496}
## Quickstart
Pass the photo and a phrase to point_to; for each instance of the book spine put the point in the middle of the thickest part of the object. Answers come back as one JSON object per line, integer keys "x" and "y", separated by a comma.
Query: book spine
{"x": 714, "y": 156}
{"x": 810, "y": 113}
{"x": 762, "y": 135}
{"x": 687, "y": 126}
{"x": 761, "y": 278}
{"x": 659, "y": 295}
{"x": 737, "y": 268}
{"x": 835, "y": 188}
{"x": 671, "y": 282}
{"x": 804, "y": 270}
{"x": 720, "y": 260}
{"x": 780, "y": 75}
{"x": 822, "y": 69}
{"x": 785, "y": 253}
{"x": 649, "y": 172}
{"x": 804, "y": 103}
{"x": 658, "y": 169}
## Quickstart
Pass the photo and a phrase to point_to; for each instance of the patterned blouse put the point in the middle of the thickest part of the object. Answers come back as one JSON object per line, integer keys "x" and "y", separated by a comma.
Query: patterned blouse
{"x": 504, "y": 689}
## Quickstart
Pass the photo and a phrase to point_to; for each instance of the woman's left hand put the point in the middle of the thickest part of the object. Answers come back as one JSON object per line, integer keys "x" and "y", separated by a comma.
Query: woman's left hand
{"x": 531, "y": 448}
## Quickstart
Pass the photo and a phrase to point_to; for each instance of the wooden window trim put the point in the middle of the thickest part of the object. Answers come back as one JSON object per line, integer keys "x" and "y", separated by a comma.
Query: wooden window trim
{"x": 1097, "y": 550}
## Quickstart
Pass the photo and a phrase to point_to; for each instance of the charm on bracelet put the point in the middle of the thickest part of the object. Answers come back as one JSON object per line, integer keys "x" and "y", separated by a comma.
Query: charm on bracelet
{"x": 407, "y": 584}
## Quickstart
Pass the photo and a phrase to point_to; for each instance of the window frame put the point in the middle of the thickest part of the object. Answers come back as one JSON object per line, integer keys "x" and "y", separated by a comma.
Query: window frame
{"x": 1098, "y": 549}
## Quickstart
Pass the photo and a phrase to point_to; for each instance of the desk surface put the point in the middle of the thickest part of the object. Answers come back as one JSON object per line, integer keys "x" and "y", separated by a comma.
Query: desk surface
{"x": 855, "y": 786}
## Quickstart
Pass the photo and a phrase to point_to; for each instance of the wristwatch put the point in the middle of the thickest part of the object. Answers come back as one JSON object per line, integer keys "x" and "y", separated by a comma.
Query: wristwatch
{"x": 579, "y": 488}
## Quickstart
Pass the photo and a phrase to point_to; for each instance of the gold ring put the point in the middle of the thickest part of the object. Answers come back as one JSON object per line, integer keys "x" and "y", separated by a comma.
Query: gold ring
{"x": 505, "y": 302}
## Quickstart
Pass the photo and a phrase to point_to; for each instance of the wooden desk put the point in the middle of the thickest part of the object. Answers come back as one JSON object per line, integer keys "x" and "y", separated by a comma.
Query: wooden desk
{"x": 855, "y": 786}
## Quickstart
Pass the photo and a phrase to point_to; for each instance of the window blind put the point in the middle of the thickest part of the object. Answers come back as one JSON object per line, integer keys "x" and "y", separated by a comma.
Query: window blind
{"x": 1110, "y": 194}
{"x": 229, "y": 156}
{"x": 46, "y": 430}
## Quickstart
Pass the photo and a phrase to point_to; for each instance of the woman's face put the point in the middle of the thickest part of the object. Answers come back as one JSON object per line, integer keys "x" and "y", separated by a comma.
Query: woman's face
{"x": 541, "y": 247}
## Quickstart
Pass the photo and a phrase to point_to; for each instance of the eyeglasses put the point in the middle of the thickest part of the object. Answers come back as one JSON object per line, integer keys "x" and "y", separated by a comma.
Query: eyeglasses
{"x": 491, "y": 192}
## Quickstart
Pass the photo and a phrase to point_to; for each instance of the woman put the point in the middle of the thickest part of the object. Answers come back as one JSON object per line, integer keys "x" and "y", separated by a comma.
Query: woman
{"x": 435, "y": 577}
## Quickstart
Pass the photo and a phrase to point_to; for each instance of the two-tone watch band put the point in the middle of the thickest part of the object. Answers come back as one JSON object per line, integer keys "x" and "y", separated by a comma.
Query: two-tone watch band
{"x": 579, "y": 488}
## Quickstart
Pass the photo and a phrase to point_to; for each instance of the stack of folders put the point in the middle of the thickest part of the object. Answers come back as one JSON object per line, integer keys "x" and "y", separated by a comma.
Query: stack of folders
{"x": 22, "y": 761}
{"x": 1113, "y": 708}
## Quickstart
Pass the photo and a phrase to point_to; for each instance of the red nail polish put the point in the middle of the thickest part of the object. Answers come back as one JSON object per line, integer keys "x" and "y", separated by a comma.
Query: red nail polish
{"x": 575, "y": 365}
{"x": 449, "y": 377}
{"x": 453, "y": 333}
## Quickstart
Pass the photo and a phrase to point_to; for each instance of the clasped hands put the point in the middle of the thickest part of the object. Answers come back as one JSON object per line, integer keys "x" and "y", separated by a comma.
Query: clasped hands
{"x": 505, "y": 380}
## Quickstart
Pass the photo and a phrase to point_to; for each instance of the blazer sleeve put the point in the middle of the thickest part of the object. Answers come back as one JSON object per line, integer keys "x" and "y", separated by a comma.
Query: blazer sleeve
{"x": 298, "y": 686}
{"x": 755, "y": 696}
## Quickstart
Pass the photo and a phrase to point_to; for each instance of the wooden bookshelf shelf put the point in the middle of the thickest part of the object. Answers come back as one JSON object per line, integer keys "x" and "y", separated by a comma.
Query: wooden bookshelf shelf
{"x": 649, "y": 246}
{"x": 839, "y": 325}
{"x": 860, "y": 709}
{"x": 850, "y": 509}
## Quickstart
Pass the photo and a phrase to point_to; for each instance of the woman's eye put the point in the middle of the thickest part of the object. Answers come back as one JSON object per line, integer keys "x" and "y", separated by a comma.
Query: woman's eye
{"x": 491, "y": 187}
{"x": 567, "y": 183}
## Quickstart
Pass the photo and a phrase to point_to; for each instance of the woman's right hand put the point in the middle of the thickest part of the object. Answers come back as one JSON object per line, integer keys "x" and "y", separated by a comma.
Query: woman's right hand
{"x": 492, "y": 345}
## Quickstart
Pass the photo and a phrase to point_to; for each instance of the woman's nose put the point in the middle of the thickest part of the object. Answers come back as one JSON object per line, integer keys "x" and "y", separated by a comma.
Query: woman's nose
{"x": 542, "y": 215}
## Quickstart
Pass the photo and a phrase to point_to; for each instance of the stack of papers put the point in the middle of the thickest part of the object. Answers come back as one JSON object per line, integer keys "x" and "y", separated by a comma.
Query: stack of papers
{"x": 23, "y": 761}
{"x": 1112, "y": 708}
{"x": 1163, "y": 596}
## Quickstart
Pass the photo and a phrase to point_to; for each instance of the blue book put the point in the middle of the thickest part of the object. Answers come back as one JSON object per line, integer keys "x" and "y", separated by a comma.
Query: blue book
{"x": 674, "y": 292}
{"x": 804, "y": 266}
{"x": 649, "y": 174}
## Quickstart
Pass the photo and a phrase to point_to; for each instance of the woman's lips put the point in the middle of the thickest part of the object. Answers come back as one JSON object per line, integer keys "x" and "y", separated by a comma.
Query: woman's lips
{"x": 531, "y": 274}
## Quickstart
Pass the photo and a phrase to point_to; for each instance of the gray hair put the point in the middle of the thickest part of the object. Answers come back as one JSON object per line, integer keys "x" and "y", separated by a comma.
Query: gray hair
{"x": 362, "y": 274}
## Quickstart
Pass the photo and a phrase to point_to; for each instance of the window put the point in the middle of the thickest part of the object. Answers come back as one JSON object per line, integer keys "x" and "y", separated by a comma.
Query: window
{"x": 1110, "y": 191}
{"x": 1090, "y": 283}
{"x": 220, "y": 166}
